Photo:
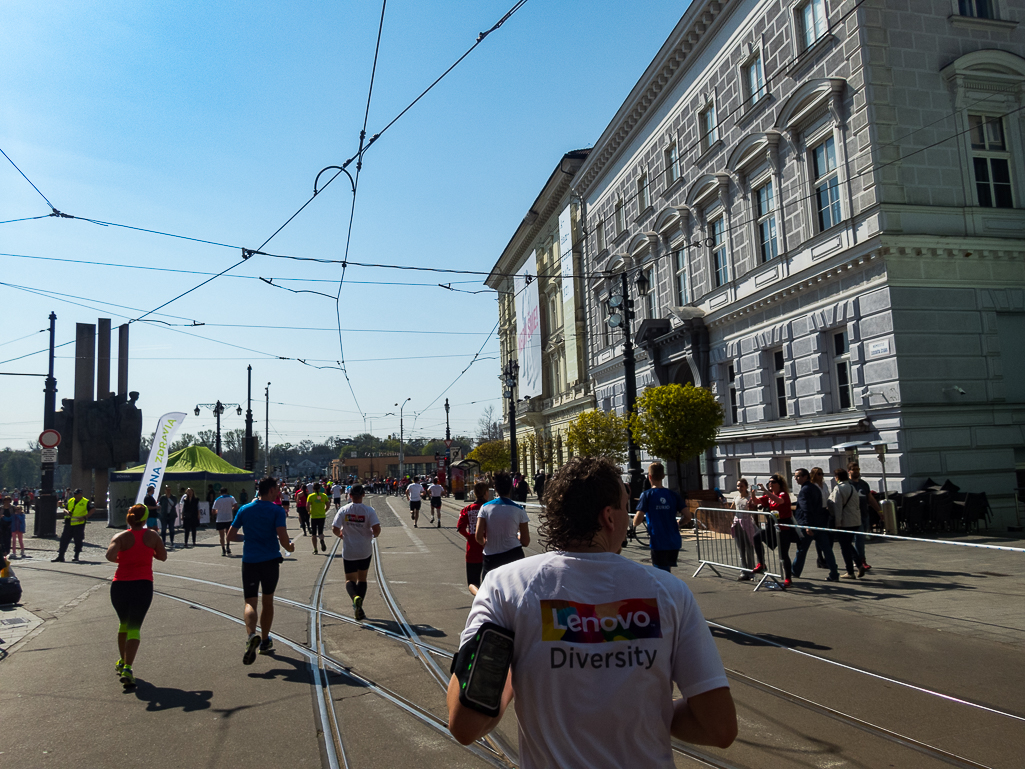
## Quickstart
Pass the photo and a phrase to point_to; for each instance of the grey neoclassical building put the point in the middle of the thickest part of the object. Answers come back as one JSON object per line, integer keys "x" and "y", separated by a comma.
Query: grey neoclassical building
{"x": 827, "y": 198}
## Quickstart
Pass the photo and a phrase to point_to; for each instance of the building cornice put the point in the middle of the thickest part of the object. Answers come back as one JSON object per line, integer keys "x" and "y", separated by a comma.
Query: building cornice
{"x": 687, "y": 39}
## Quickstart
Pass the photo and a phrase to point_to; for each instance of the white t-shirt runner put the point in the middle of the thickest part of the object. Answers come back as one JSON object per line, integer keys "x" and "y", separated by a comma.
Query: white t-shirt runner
{"x": 415, "y": 492}
{"x": 223, "y": 506}
{"x": 357, "y": 522}
{"x": 336, "y": 492}
{"x": 503, "y": 518}
{"x": 436, "y": 490}
{"x": 596, "y": 628}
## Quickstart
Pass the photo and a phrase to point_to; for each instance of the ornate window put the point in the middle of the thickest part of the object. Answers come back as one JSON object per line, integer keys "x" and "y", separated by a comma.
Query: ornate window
{"x": 708, "y": 126}
{"x": 731, "y": 394}
{"x": 842, "y": 370}
{"x": 978, "y": 9}
{"x": 672, "y": 163}
{"x": 643, "y": 198}
{"x": 826, "y": 183}
{"x": 599, "y": 235}
{"x": 991, "y": 162}
{"x": 680, "y": 266}
{"x": 754, "y": 80}
{"x": 779, "y": 384}
{"x": 720, "y": 265}
{"x": 765, "y": 212}
{"x": 812, "y": 22}
{"x": 620, "y": 218}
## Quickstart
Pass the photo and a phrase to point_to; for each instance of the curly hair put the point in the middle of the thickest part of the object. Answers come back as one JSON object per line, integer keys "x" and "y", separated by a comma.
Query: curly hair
{"x": 574, "y": 499}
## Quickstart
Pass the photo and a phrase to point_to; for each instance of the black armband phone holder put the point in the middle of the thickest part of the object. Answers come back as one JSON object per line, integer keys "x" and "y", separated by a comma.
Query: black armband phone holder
{"x": 481, "y": 667}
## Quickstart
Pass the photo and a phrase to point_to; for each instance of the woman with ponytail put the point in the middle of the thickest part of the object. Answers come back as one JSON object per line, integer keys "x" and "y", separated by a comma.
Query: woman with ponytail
{"x": 131, "y": 592}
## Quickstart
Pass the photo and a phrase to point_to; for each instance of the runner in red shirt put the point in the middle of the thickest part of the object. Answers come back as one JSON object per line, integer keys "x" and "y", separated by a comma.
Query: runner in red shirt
{"x": 300, "y": 507}
{"x": 467, "y": 526}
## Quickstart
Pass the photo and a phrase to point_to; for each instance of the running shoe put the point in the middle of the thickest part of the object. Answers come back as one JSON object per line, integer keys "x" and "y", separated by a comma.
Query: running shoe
{"x": 229, "y": 551}
{"x": 357, "y": 607}
{"x": 314, "y": 550}
{"x": 864, "y": 566}
{"x": 832, "y": 578}
{"x": 323, "y": 545}
{"x": 439, "y": 521}
{"x": 267, "y": 647}
{"x": 58, "y": 559}
{"x": 861, "y": 572}
{"x": 787, "y": 583}
{"x": 119, "y": 666}
{"x": 250, "y": 654}
{"x": 848, "y": 575}
{"x": 432, "y": 517}
{"x": 759, "y": 569}
{"x": 127, "y": 676}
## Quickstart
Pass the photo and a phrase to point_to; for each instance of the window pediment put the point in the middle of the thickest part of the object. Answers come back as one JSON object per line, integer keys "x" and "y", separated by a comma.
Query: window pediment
{"x": 809, "y": 102}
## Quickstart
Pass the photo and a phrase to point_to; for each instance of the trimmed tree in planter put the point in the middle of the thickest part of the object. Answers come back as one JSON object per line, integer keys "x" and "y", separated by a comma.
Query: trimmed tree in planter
{"x": 597, "y": 433}
{"x": 676, "y": 422}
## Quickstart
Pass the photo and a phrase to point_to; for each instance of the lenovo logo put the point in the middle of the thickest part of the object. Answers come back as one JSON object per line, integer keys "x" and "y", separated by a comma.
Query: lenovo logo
{"x": 599, "y": 623}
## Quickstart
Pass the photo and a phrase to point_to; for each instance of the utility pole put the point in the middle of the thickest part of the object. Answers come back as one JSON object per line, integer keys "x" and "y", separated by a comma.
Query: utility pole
{"x": 266, "y": 432}
{"x": 250, "y": 448}
{"x": 509, "y": 374}
{"x": 448, "y": 452}
{"x": 402, "y": 455}
{"x": 46, "y": 506}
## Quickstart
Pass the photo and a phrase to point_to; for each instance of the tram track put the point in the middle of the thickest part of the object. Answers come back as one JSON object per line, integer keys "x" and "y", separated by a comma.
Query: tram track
{"x": 321, "y": 663}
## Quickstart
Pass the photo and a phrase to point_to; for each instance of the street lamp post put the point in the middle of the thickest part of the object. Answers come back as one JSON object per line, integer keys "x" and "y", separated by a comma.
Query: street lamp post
{"x": 401, "y": 453}
{"x": 266, "y": 431}
{"x": 509, "y": 373}
{"x": 218, "y": 409}
{"x": 46, "y": 506}
{"x": 621, "y": 314}
{"x": 448, "y": 452}
{"x": 250, "y": 448}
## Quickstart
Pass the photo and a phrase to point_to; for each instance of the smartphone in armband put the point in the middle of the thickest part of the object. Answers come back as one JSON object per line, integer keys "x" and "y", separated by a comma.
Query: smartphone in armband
{"x": 481, "y": 667}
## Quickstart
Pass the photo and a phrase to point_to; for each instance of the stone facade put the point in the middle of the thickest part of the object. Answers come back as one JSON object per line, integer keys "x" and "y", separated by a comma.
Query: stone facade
{"x": 827, "y": 197}
{"x": 566, "y": 391}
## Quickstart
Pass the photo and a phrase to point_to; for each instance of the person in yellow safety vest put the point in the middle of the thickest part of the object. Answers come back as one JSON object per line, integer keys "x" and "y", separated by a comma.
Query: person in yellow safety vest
{"x": 79, "y": 510}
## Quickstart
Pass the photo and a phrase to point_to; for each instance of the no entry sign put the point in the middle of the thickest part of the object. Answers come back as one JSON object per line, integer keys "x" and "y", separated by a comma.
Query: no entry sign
{"x": 49, "y": 439}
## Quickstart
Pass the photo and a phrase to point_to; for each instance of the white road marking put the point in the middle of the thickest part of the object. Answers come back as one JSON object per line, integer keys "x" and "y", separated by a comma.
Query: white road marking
{"x": 417, "y": 542}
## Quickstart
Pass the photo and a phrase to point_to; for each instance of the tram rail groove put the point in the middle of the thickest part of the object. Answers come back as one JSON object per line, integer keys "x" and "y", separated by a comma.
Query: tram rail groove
{"x": 333, "y": 734}
{"x": 489, "y": 753}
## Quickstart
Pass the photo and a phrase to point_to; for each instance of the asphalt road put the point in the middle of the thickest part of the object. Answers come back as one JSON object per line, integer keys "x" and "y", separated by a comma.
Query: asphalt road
{"x": 913, "y": 667}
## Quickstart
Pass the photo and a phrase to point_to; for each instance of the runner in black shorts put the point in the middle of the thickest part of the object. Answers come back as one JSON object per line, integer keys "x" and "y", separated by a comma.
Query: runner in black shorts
{"x": 357, "y": 524}
{"x": 264, "y": 525}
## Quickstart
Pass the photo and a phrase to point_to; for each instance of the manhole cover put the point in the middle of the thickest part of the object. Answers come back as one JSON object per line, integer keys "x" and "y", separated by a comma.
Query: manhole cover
{"x": 14, "y": 621}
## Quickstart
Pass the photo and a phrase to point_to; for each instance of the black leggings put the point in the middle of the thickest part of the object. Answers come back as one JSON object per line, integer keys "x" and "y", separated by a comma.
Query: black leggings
{"x": 317, "y": 527}
{"x": 188, "y": 528}
{"x": 131, "y": 600}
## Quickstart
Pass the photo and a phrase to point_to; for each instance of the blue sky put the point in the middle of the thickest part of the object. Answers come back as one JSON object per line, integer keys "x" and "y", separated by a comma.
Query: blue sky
{"x": 212, "y": 121}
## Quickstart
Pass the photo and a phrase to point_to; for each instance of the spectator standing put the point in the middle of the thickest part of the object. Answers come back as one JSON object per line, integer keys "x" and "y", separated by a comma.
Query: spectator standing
{"x": 190, "y": 516}
{"x": 572, "y": 604}
{"x": 78, "y": 511}
{"x": 17, "y": 527}
{"x": 818, "y": 478}
{"x": 6, "y": 529}
{"x": 847, "y": 518}
{"x": 659, "y": 507}
{"x": 868, "y": 504}
{"x": 152, "y": 517}
{"x": 539, "y": 483}
{"x": 808, "y": 512}
{"x": 777, "y": 499}
{"x": 168, "y": 512}
{"x": 747, "y": 535}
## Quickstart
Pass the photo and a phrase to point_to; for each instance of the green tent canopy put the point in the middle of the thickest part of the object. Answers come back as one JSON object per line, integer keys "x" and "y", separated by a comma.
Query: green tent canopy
{"x": 195, "y": 467}
{"x": 193, "y": 459}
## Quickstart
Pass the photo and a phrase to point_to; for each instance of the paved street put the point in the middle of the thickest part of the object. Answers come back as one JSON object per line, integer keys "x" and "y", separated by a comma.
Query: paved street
{"x": 947, "y": 620}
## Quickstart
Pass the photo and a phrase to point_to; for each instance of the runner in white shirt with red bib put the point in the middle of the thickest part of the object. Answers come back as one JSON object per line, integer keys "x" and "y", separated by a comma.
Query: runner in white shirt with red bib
{"x": 436, "y": 490}
{"x": 414, "y": 493}
{"x": 594, "y": 632}
{"x": 357, "y": 524}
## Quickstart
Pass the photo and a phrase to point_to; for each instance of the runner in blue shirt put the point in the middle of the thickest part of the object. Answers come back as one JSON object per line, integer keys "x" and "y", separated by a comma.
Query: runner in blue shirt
{"x": 264, "y": 525}
{"x": 658, "y": 508}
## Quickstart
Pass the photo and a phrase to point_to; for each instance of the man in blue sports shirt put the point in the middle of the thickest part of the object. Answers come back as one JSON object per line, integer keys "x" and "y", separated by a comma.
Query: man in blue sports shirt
{"x": 658, "y": 508}
{"x": 264, "y": 526}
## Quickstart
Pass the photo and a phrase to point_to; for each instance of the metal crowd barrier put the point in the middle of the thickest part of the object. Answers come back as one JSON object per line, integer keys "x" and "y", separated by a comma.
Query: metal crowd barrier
{"x": 874, "y": 535}
{"x": 738, "y": 540}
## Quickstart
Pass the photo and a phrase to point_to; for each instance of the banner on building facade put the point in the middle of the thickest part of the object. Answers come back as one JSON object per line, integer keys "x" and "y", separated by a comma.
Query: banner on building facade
{"x": 569, "y": 294}
{"x": 159, "y": 452}
{"x": 528, "y": 328}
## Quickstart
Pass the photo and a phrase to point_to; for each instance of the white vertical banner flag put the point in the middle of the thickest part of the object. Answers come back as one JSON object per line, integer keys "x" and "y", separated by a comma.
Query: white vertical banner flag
{"x": 167, "y": 426}
{"x": 569, "y": 294}
{"x": 528, "y": 329}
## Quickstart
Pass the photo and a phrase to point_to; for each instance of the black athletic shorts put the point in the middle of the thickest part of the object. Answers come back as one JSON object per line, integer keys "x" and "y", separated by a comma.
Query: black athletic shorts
{"x": 414, "y": 505}
{"x": 435, "y": 501}
{"x": 222, "y": 525}
{"x": 501, "y": 559}
{"x": 360, "y": 564}
{"x": 473, "y": 571}
{"x": 262, "y": 576}
{"x": 317, "y": 527}
{"x": 131, "y": 599}
{"x": 664, "y": 559}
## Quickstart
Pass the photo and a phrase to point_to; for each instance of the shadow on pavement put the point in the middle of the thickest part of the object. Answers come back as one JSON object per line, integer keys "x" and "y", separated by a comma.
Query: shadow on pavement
{"x": 421, "y": 630}
{"x": 766, "y": 639}
{"x": 168, "y": 698}
{"x": 297, "y": 673}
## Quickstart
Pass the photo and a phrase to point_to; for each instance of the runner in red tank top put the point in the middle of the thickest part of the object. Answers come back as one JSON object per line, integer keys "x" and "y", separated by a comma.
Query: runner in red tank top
{"x": 131, "y": 592}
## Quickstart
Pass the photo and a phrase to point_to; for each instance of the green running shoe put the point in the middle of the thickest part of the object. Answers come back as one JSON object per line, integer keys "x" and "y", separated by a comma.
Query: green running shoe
{"x": 357, "y": 606}
{"x": 251, "y": 645}
{"x": 127, "y": 676}
{"x": 119, "y": 666}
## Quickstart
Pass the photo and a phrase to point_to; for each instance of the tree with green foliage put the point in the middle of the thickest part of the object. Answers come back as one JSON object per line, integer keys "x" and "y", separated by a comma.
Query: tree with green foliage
{"x": 676, "y": 422}
{"x": 598, "y": 433}
{"x": 493, "y": 456}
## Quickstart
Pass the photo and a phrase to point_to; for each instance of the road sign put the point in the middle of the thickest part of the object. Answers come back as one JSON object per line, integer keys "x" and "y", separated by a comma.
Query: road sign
{"x": 49, "y": 439}
{"x": 49, "y": 455}
{"x": 448, "y": 443}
